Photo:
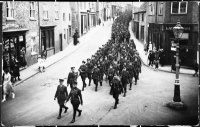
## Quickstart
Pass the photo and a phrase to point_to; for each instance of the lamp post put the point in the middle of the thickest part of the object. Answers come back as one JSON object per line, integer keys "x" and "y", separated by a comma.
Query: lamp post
{"x": 176, "y": 102}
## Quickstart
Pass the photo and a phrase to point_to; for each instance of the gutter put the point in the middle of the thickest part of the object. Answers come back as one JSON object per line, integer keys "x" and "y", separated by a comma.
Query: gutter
{"x": 39, "y": 27}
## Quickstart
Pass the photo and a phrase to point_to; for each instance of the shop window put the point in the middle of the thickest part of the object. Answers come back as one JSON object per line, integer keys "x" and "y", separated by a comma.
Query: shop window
{"x": 46, "y": 15}
{"x": 10, "y": 9}
{"x": 32, "y": 10}
{"x": 179, "y": 7}
{"x": 160, "y": 8}
{"x": 47, "y": 38}
{"x": 33, "y": 46}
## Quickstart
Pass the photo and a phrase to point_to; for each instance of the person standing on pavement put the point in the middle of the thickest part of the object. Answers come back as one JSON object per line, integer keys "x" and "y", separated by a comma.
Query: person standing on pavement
{"x": 76, "y": 36}
{"x": 196, "y": 68}
{"x": 23, "y": 57}
{"x": 117, "y": 89}
{"x": 156, "y": 60}
{"x": 83, "y": 73}
{"x": 72, "y": 77}
{"x": 61, "y": 95}
{"x": 76, "y": 100}
{"x": 151, "y": 58}
{"x": 7, "y": 85}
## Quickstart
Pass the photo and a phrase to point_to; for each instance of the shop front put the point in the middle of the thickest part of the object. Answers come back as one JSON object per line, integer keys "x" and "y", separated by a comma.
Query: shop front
{"x": 187, "y": 44}
{"x": 14, "y": 38}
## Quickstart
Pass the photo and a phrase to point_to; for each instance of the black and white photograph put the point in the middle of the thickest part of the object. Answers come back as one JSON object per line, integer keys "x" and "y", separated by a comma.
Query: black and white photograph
{"x": 99, "y": 63}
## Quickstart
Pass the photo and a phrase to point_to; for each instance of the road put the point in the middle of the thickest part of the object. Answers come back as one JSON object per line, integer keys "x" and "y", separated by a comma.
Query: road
{"x": 35, "y": 105}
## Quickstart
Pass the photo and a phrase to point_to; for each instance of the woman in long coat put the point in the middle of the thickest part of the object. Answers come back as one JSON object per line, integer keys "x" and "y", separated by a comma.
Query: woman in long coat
{"x": 7, "y": 85}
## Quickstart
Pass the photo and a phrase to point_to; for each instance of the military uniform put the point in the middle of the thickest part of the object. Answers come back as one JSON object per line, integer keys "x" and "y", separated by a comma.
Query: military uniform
{"x": 76, "y": 100}
{"x": 89, "y": 70}
{"x": 125, "y": 77}
{"x": 95, "y": 76}
{"x": 117, "y": 89}
{"x": 72, "y": 77}
{"x": 61, "y": 95}
{"x": 83, "y": 73}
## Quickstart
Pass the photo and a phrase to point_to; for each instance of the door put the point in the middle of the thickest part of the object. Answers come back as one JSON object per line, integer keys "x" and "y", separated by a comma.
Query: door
{"x": 60, "y": 38}
{"x": 67, "y": 36}
{"x": 43, "y": 40}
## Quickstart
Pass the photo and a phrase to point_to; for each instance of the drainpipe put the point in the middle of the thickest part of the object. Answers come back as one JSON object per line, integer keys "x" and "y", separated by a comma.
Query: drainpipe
{"x": 39, "y": 27}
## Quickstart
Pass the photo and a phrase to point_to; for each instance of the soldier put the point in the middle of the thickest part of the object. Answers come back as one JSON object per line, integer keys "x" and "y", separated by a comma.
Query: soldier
{"x": 125, "y": 77}
{"x": 61, "y": 95}
{"x": 111, "y": 74}
{"x": 83, "y": 73}
{"x": 76, "y": 100}
{"x": 95, "y": 76}
{"x": 89, "y": 70}
{"x": 106, "y": 65}
{"x": 100, "y": 66}
{"x": 132, "y": 73}
{"x": 117, "y": 89}
{"x": 72, "y": 77}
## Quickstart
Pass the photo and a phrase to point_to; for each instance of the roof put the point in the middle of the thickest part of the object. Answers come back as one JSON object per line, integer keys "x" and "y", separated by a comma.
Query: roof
{"x": 142, "y": 8}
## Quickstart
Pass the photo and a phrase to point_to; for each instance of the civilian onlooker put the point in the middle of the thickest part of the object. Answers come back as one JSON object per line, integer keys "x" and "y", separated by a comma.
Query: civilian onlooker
{"x": 196, "y": 68}
{"x": 162, "y": 57}
{"x": 7, "y": 85}
{"x": 151, "y": 58}
{"x": 23, "y": 58}
{"x": 41, "y": 64}
{"x": 156, "y": 60}
{"x": 145, "y": 48}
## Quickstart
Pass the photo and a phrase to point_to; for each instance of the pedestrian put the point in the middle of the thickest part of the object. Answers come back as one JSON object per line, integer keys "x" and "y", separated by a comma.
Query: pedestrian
{"x": 61, "y": 95}
{"x": 151, "y": 58}
{"x": 196, "y": 68}
{"x": 117, "y": 89}
{"x": 76, "y": 100}
{"x": 145, "y": 48}
{"x": 23, "y": 58}
{"x": 83, "y": 73}
{"x": 7, "y": 85}
{"x": 72, "y": 77}
{"x": 41, "y": 64}
{"x": 156, "y": 60}
{"x": 99, "y": 21}
{"x": 16, "y": 71}
{"x": 76, "y": 36}
{"x": 95, "y": 76}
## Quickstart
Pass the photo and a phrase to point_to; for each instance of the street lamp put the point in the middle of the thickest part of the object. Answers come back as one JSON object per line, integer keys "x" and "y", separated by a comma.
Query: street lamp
{"x": 176, "y": 103}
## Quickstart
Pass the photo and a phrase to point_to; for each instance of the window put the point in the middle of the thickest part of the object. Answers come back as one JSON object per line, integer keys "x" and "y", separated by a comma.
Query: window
{"x": 64, "y": 33}
{"x": 70, "y": 31}
{"x": 46, "y": 15}
{"x": 179, "y": 7}
{"x": 89, "y": 5}
{"x": 142, "y": 16}
{"x": 151, "y": 8}
{"x": 10, "y": 9}
{"x": 142, "y": 33}
{"x": 32, "y": 9}
{"x": 81, "y": 6}
{"x": 64, "y": 18}
{"x": 84, "y": 5}
{"x": 160, "y": 8}
{"x": 56, "y": 13}
{"x": 69, "y": 17}
{"x": 33, "y": 46}
{"x": 47, "y": 38}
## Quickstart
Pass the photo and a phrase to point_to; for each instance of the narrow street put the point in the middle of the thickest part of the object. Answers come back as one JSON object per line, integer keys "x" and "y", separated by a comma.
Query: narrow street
{"x": 35, "y": 105}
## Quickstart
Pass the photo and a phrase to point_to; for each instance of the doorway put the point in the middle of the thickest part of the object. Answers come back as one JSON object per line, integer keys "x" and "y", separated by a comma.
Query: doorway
{"x": 60, "y": 38}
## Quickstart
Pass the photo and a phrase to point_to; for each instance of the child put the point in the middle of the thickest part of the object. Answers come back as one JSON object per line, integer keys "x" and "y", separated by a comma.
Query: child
{"x": 41, "y": 64}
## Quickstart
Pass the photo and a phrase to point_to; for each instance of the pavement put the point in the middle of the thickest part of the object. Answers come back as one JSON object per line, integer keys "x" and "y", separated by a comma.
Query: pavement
{"x": 144, "y": 57}
{"x": 33, "y": 69}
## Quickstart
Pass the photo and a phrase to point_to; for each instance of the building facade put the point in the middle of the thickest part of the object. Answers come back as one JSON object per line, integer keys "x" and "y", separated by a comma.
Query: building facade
{"x": 36, "y": 26}
{"x": 162, "y": 17}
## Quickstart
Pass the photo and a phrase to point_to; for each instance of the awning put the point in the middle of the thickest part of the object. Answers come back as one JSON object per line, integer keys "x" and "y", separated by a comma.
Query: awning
{"x": 47, "y": 26}
{"x": 15, "y": 30}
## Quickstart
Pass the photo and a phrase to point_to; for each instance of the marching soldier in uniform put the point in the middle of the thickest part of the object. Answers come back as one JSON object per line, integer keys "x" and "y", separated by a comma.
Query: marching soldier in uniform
{"x": 125, "y": 77}
{"x": 72, "y": 77}
{"x": 76, "y": 100}
{"x": 100, "y": 66}
{"x": 89, "y": 70}
{"x": 83, "y": 73}
{"x": 111, "y": 74}
{"x": 132, "y": 73}
{"x": 95, "y": 76}
{"x": 106, "y": 65}
{"x": 117, "y": 89}
{"x": 61, "y": 95}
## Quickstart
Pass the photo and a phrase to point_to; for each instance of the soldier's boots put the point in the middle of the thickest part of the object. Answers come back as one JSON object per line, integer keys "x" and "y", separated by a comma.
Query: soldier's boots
{"x": 66, "y": 109}
{"x": 100, "y": 83}
{"x": 130, "y": 86}
{"x": 79, "y": 112}
{"x": 96, "y": 88}
{"x": 124, "y": 94}
{"x": 135, "y": 82}
{"x": 59, "y": 117}
{"x": 73, "y": 120}
{"x": 89, "y": 82}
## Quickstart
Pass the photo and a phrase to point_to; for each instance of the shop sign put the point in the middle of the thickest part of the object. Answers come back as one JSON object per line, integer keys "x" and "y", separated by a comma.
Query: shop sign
{"x": 171, "y": 28}
{"x": 12, "y": 26}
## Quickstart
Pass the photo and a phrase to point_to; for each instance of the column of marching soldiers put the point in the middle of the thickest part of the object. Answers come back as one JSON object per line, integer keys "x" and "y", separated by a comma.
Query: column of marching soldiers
{"x": 117, "y": 60}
